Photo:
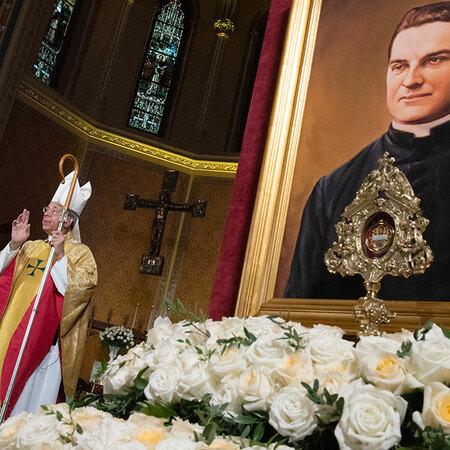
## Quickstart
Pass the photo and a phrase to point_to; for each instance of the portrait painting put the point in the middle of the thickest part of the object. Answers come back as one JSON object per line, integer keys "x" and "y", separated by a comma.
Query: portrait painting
{"x": 339, "y": 106}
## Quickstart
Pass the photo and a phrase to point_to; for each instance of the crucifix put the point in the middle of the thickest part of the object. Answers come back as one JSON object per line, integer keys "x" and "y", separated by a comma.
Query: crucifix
{"x": 153, "y": 263}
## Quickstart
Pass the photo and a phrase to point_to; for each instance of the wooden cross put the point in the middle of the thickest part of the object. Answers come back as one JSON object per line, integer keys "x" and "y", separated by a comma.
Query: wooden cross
{"x": 153, "y": 263}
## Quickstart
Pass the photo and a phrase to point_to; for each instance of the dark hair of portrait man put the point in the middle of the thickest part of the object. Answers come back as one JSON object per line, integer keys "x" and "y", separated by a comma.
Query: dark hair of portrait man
{"x": 421, "y": 15}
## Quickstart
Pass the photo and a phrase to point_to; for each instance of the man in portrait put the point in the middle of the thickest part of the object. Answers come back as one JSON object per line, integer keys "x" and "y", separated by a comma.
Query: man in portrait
{"x": 418, "y": 99}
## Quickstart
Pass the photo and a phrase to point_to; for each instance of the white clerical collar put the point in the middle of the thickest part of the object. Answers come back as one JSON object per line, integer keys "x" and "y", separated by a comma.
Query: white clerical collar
{"x": 421, "y": 129}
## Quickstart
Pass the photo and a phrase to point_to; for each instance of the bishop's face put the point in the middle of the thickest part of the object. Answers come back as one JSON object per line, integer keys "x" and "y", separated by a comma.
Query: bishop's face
{"x": 418, "y": 76}
{"x": 50, "y": 220}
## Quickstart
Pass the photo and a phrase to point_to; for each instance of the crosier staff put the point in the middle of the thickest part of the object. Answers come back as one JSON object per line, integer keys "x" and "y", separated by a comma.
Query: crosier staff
{"x": 62, "y": 218}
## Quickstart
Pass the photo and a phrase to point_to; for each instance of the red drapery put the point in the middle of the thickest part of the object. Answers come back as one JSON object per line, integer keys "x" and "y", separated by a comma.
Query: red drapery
{"x": 231, "y": 258}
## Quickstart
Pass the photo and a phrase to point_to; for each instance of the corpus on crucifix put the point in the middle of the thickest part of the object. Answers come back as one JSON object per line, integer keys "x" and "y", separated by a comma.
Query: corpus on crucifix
{"x": 153, "y": 263}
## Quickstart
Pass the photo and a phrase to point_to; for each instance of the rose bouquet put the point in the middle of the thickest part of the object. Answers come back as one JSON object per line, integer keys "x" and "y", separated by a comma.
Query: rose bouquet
{"x": 268, "y": 381}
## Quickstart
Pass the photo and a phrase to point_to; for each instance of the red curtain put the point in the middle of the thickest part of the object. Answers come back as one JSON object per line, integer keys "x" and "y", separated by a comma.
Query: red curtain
{"x": 231, "y": 258}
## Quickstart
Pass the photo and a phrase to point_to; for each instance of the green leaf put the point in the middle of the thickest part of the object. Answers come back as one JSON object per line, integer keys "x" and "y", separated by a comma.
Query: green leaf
{"x": 420, "y": 334}
{"x": 209, "y": 433}
{"x": 139, "y": 382}
{"x": 446, "y": 331}
{"x": 158, "y": 409}
{"x": 246, "y": 431}
{"x": 405, "y": 349}
{"x": 79, "y": 429}
{"x": 244, "y": 419}
{"x": 258, "y": 433}
{"x": 59, "y": 416}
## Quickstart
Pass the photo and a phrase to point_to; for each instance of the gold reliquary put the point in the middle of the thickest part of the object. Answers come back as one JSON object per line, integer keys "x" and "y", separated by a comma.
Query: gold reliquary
{"x": 380, "y": 234}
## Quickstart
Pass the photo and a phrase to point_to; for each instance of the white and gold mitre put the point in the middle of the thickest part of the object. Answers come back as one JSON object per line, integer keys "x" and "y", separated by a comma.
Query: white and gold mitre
{"x": 79, "y": 199}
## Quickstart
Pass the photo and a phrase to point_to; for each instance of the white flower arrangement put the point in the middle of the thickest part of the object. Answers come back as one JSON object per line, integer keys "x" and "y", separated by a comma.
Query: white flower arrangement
{"x": 117, "y": 336}
{"x": 266, "y": 380}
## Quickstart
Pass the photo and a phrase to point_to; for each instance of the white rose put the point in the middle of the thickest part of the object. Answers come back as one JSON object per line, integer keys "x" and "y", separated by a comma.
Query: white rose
{"x": 149, "y": 430}
{"x": 128, "y": 445}
{"x": 196, "y": 381}
{"x": 292, "y": 413}
{"x": 267, "y": 351}
{"x": 173, "y": 443}
{"x": 89, "y": 417}
{"x": 381, "y": 366}
{"x": 436, "y": 408}
{"x": 189, "y": 357}
{"x": 295, "y": 367}
{"x": 9, "y": 429}
{"x": 256, "y": 389}
{"x": 184, "y": 429}
{"x": 333, "y": 381}
{"x": 231, "y": 361}
{"x": 228, "y": 392}
{"x": 332, "y": 353}
{"x": 261, "y": 325}
{"x": 37, "y": 432}
{"x": 220, "y": 443}
{"x": 165, "y": 351}
{"x": 399, "y": 336}
{"x": 325, "y": 331}
{"x": 162, "y": 329}
{"x": 108, "y": 433}
{"x": 228, "y": 326}
{"x": 121, "y": 373}
{"x": 163, "y": 383}
{"x": 430, "y": 358}
{"x": 371, "y": 418}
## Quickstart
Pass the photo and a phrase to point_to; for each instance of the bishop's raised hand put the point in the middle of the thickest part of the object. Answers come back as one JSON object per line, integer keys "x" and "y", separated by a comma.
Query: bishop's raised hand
{"x": 20, "y": 231}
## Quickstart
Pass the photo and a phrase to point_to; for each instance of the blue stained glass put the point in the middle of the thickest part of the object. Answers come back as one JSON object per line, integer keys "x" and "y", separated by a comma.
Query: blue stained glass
{"x": 157, "y": 70}
{"x": 53, "y": 41}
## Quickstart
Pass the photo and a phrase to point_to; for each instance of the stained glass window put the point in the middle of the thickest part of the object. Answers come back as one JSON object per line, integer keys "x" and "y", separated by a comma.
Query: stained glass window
{"x": 52, "y": 44}
{"x": 158, "y": 68}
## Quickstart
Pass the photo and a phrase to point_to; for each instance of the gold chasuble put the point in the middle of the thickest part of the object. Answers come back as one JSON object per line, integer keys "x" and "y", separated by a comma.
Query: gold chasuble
{"x": 24, "y": 289}
{"x": 21, "y": 281}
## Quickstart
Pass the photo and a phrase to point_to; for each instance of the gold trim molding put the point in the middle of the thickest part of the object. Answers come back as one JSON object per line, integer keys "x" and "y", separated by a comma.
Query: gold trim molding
{"x": 310, "y": 311}
{"x": 91, "y": 133}
{"x": 272, "y": 200}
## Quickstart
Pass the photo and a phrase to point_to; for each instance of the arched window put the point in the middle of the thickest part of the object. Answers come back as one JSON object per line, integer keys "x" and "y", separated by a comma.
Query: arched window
{"x": 157, "y": 69}
{"x": 52, "y": 44}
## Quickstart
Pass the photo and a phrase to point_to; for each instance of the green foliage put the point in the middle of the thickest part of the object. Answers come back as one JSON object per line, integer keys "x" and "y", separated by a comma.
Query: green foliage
{"x": 237, "y": 340}
{"x": 119, "y": 405}
{"x": 331, "y": 404}
{"x": 434, "y": 438}
{"x": 76, "y": 427}
{"x": 162, "y": 410}
{"x": 419, "y": 335}
{"x": 291, "y": 335}
{"x": 446, "y": 331}
{"x": 204, "y": 356}
{"x": 191, "y": 318}
{"x": 405, "y": 349}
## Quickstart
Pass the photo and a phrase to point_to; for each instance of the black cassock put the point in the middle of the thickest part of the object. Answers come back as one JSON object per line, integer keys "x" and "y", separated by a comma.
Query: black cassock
{"x": 426, "y": 164}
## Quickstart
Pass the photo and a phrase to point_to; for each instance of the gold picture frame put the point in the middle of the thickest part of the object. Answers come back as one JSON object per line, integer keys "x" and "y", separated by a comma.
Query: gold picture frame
{"x": 257, "y": 293}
